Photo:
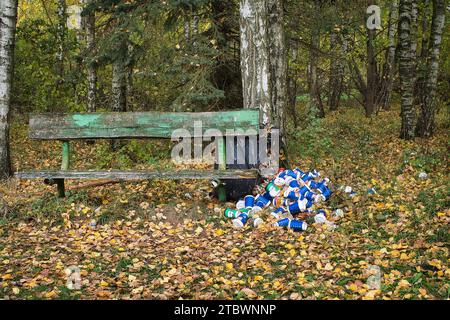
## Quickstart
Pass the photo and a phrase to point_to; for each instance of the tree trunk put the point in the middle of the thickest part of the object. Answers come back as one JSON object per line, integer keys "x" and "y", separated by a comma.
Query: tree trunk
{"x": 390, "y": 55}
{"x": 255, "y": 64}
{"x": 8, "y": 19}
{"x": 91, "y": 65}
{"x": 336, "y": 71}
{"x": 316, "y": 105}
{"x": 292, "y": 83}
{"x": 119, "y": 77}
{"x": 369, "y": 99}
{"x": 187, "y": 29}
{"x": 278, "y": 62}
{"x": 61, "y": 34}
{"x": 426, "y": 123}
{"x": 405, "y": 70}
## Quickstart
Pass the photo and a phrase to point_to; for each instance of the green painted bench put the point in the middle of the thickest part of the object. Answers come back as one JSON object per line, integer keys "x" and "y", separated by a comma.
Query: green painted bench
{"x": 138, "y": 125}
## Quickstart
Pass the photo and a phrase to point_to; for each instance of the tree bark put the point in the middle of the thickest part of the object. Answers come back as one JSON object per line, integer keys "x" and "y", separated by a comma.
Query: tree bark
{"x": 255, "y": 64}
{"x": 316, "y": 105}
{"x": 369, "y": 99}
{"x": 390, "y": 54}
{"x": 336, "y": 71}
{"x": 426, "y": 123}
{"x": 8, "y": 19}
{"x": 292, "y": 83}
{"x": 278, "y": 62}
{"x": 408, "y": 115}
{"x": 91, "y": 65}
{"x": 119, "y": 77}
{"x": 61, "y": 34}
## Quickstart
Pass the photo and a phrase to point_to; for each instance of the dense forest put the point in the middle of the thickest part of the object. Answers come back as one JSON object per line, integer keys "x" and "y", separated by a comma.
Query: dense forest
{"x": 359, "y": 89}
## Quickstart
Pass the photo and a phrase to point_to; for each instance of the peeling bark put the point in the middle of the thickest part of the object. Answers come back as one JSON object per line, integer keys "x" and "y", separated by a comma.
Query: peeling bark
{"x": 91, "y": 66}
{"x": 255, "y": 64}
{"x": 408, "y": 115}
{"x": 426, "y": 123}
{"x": 278, "y": 63}
{"x": 119, "y": 77}
{"x": 8, "y": 19}
{"x": 390, "y": 54}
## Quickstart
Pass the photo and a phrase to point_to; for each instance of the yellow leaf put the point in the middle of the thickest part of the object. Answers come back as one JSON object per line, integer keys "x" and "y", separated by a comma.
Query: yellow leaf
{"x": 104, "y": 284}
{"x": 259, "y": 278}
{"x": 229, "y": 266}
{"x": 6, "y": 276}
{"x": 219, "y": 232}
{"x": 292, "y": 252}
{"x": 16, "y": 290}
{"x": 50, "y": 294}
{"x": 353, "y": 287}
{"x": 404, "y": 256}
{"x": 423, "y": 292}
{"x": 235, "y": 250}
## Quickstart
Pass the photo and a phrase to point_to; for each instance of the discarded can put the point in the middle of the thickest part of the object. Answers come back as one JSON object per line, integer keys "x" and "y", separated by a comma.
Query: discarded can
{"x": 284, "y": 223}
{"x": 293, "y": 195}
{"x": 298, "y": 206}
{"x": 348, "y": 189}
{"x": 231, "y": 213}
{"x": 257, "y": 221}
{"x": 240, "y": 204}
{"x": 249, "y": 202}
{"x": 338, "y": 213}
{"x": 423, "y": 175}
{"x": 273, "y": 189}
{"x": 371, "y": 191}
{"x": 297, "y": 225}
{"x": 240, "y": 221}
{"x": 325, "y": 191}
{"x": 321, "y": 216}
{"x": 277, "y": 212}
{"x": 305, "y": 193}
{"x": 262, "y": 201}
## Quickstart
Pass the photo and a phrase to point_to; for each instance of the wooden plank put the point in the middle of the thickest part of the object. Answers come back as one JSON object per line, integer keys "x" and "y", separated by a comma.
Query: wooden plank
{"x": 139, "y": 175}
{"x": 110, "y": 125}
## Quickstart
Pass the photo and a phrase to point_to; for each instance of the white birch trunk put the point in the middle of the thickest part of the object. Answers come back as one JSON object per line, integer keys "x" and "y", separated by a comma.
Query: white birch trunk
{"x": 8, "y": 19}
{"x": 91, "y": 66}
{"x": 426, "y": 124}
{"x": 255, "y": 64}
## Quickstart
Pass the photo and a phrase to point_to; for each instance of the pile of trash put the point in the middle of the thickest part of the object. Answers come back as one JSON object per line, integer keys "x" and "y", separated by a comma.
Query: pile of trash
{"x": 292, "y": 196}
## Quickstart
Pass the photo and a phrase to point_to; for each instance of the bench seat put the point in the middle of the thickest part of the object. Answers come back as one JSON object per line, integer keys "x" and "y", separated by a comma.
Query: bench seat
{"x": 140, "y": 175}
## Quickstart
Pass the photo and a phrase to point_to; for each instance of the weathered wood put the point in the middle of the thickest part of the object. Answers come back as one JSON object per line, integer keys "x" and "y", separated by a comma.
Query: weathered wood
{"x": 110, "y": 125}
{"x": 139, "y": 175}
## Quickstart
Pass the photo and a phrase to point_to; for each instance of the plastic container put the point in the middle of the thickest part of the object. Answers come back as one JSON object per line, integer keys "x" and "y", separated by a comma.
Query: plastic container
{"x": 240, "y": 221}
{"x": 249, "y": 202}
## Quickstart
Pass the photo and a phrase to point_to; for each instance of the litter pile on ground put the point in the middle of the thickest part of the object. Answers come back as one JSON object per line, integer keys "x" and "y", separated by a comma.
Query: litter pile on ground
{"x": 292, "y": 196}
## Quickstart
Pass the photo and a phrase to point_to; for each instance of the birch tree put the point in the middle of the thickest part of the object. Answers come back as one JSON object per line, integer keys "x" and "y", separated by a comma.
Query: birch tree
{"x": 390, "y": 54}
{"x": 89, "y": 25}
{"x": 8, "y": 19}
{"x": 255, "y": 64}
{"x": 120, "y": 73}
{"x": 408, "y": 115}
{"x": 61, "y": 34}
{"x": 426, "y": 123}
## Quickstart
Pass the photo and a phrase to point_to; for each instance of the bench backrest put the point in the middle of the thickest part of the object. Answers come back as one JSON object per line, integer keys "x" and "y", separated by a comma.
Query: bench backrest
{"x": 138, "y": 125}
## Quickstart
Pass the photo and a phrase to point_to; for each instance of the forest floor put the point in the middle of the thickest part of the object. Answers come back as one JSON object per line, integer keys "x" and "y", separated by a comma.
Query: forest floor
{"x": 169, "y": 240}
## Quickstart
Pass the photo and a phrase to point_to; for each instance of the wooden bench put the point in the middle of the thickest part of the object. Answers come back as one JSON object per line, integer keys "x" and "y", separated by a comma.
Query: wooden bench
{"x": 138, "y": 125}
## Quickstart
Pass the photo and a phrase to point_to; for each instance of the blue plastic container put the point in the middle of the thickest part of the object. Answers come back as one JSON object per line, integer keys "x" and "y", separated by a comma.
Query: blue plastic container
{"x": 249, "y": 201}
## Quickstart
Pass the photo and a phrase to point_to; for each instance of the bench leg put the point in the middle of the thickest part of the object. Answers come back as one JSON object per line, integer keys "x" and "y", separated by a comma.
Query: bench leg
{"x": 59, "y": 184}
{"x": 221, "y": 193}
{"x": 61, "y": 188}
